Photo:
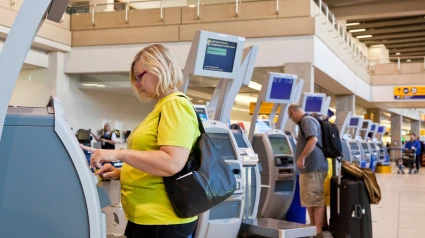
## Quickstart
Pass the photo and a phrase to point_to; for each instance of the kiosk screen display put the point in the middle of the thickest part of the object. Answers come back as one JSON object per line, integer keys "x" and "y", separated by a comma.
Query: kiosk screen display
{"x": 364, "y": 126}
{"x": 263, "y": 126}
{"x": 83, "y": 135}
{"x": 381, "y": 146}
{"x": 240, "y": 141}
{"x": 354, "y": 146}
{"x": 381, "y": 129}
{"x": 281, "y": 88}
{"x": 373, "y": 127}
{"x": 313, "y": 104}
{"x": 220, "y": 55}
{"x": 202, "y": 113}
{"x": 354, "y": 121}
{"x": 223, "y": 144}
{"x": 365, "y": 146}
{"x": 279, "y": 145}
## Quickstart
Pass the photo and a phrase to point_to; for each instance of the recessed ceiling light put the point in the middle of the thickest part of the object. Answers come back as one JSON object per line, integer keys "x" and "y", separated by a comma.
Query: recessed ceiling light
{"x": 409, "y": 60}
{"x": 398, "y": 53}
{"x": 200, "y": 100}
{"x": 365, "y": 36}
{"x": 89, "y": 84}
{"x": 353, "y": 24}
{"x": 100, "y": 86}
{"x": 357, "y": 30}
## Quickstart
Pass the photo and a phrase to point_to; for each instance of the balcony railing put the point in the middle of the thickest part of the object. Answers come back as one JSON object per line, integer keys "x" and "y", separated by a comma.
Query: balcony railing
{"x": 399, "y": 61}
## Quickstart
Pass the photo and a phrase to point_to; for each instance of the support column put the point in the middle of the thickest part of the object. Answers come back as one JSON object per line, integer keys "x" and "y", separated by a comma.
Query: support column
{"x": 396, "y": 125}
{"x": 344, "y": 105}
{"x": 373, "y": 114}
{"x": 415, "y": 127}
{"x": 304, "y": 71}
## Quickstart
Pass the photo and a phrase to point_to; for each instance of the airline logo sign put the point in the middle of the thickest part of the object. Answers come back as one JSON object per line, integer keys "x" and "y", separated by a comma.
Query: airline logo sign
{"x": 410, "y": 92}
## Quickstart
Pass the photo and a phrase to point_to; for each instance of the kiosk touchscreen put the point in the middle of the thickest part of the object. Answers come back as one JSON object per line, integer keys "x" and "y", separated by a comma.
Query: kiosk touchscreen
{"x": 317, "y": 103}
{"x": 201, "y": 110}
{"x": 362, "y": 139}
{"x": 382, "y": 149}
{"x": 350, "y": 147}
{"x": 372, "y": 143}
{"x": 35, "y": 197}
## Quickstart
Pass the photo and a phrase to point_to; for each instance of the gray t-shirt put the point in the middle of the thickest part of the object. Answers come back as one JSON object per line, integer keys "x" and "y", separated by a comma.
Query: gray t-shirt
{"x": 316, "y": 160}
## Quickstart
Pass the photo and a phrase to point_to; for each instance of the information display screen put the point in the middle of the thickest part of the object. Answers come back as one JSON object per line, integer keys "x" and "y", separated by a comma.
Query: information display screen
{"x": 279, "y": 145}
{"x": 262, "y": 126}
{"x": 313, "y": 104}
{"x": 83, "y": 135}
{"x": 220, "y": 55}
{"x": 239, "y": 140}
{"x": 202, "y": 113}
{"x": 381, "y": 129}
{"x": 354, "y": 146}
{"x": 373, "y": 127}
{"x": 223, "y": 144}
{"x": 364, "y": 126}
{"x": 354, "y": 121}
{"x": 365, "y": 146}
{"x": 281, "y": 88}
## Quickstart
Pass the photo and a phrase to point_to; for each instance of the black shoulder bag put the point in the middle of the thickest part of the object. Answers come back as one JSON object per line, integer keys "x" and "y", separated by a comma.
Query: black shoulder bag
{"x": 205, "y": 181}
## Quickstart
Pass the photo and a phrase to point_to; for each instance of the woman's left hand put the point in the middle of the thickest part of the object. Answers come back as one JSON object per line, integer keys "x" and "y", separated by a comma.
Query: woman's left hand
{"x": 99, "y": 156}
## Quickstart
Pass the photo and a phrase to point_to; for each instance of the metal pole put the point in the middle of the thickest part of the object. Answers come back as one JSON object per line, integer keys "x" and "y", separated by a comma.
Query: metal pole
{"x": 92, "y": 14}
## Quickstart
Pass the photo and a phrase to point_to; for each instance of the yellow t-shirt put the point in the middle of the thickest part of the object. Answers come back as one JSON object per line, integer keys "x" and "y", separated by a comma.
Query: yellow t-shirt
{"x": 143, "y": 196}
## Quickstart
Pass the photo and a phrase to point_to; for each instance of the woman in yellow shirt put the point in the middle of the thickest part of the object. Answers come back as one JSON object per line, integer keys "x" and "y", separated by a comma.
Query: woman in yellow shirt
{"x": 157, "y": 148}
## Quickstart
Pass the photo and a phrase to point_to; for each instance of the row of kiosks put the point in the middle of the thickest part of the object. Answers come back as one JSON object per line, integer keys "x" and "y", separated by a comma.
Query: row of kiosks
{"x": 224, "y": 58}
{"x": 354, "y": 151}
{"x": 37, "y": 196}
{"x": 276, "y": 157}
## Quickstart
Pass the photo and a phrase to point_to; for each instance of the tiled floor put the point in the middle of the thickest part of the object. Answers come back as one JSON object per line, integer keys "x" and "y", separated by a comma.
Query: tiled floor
{"x": 400, "y": 214}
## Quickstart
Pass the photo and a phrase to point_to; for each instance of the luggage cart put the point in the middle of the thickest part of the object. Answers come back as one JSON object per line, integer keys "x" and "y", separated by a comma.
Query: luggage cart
{"x": 408, "y": 160}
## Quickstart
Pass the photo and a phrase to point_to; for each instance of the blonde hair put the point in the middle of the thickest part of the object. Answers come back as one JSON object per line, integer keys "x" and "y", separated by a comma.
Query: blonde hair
{"x": 158, "y": 60}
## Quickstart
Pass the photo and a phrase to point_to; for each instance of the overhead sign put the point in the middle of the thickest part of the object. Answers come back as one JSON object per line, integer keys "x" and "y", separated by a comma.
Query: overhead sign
{"x": 265, "y": 109}
{"x": 409, "y": 92}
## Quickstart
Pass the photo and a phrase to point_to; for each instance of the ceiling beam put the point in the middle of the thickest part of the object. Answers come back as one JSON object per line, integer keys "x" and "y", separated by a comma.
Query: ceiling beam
{"x": 407, "y": 40}
{"x": 379, "y": 9}
{"x": 418, "y": 53}
{"x": 389, "y": 30}
{"x": 387, "y": 23}
{"x": 408, "y": 50}
{"x": 405, "y": 45}
{"x": 393, "y": 36}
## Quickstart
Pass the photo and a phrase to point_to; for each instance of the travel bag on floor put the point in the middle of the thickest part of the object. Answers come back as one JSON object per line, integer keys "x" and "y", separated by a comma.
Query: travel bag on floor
{"x": 350, "y": 208}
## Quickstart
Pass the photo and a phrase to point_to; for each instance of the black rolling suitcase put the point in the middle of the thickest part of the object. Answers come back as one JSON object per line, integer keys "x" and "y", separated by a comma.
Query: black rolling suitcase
{"x": 350, "y": 208}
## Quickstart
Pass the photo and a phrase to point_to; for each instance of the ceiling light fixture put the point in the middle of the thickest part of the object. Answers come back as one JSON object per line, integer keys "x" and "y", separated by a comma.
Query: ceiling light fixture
{"x": 101, "y": 86}
{"x": 255, "y": 85}
{"x": 398, "y": 53}
{"x": 357, "y": 30}
{"x": 200, "y": 100}
{"x": 409, "y": 60}
{"x": 89, "y": 84}
{"x": 353, "y": 24}
{"x": 364, "y": 36}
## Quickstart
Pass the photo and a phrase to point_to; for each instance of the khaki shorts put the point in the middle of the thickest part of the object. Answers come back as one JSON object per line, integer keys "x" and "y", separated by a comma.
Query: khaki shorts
{"x": 312, "y": 189}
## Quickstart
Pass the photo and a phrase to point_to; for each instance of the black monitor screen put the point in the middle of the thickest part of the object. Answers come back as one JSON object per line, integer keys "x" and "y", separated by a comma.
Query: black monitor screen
{"x": 381, "y": 129}
{"x": 201, "y": 113}
{"x": 373, "y": 128}
{"x": 281, "y": 88}
{"x": 354, "y": 146}
{"x": 279, "y": 145}
{"x": 223, "y": 144}
{"x": 220, "y": 55}
{"x": 364, "y": 126}
{"x": 240, "y": 141}
{"x": 354, "y": 121}
{"x": 313, "y": 104}
{"x": 83, "y": 134}
{"x": 365, "y": 146}
{"x": 380, "y": 145}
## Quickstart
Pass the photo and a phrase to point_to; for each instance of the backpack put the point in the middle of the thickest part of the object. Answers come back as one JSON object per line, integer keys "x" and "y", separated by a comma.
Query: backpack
{"x": 331, "y": 140}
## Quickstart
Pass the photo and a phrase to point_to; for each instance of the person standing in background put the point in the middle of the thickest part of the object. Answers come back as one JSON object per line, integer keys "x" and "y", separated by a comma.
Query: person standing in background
{"x": 107, "y": 137}
{"x": 416, "y": 145}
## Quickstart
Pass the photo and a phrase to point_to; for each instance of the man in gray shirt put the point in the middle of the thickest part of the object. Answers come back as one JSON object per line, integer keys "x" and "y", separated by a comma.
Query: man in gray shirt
{"x": 312, "y": 164}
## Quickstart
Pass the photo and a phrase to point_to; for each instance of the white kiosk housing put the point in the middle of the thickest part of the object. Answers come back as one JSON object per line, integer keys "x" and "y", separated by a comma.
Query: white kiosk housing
{"x": 57, "y": 196}
{"x": 351, "y": 148}
{"x": 362, "y": 138}
{"x": 382, "y": 148}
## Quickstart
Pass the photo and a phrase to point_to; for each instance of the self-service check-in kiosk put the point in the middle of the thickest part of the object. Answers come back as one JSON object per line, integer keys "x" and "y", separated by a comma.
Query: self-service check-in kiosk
{"x": 57, "y": 196}
{"x": 382, "y": 158}
{"x": 372, "y": 144}
{"x": 362, "y": 139}
{"x": 232, "y": 67}
{"x": 277, "y": 161}
{"x": 351, "y": 148}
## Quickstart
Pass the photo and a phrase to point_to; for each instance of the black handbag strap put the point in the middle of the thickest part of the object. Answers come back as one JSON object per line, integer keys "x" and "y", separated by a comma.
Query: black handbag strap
{"x": 200, "y": 125}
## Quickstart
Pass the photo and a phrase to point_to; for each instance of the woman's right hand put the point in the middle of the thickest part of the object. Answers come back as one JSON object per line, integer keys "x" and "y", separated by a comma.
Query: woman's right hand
{"x": 108, "y": 171}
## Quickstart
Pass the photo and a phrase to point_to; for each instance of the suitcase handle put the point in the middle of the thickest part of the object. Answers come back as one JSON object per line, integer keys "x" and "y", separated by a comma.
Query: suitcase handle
{"x": 358, "y": 211}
